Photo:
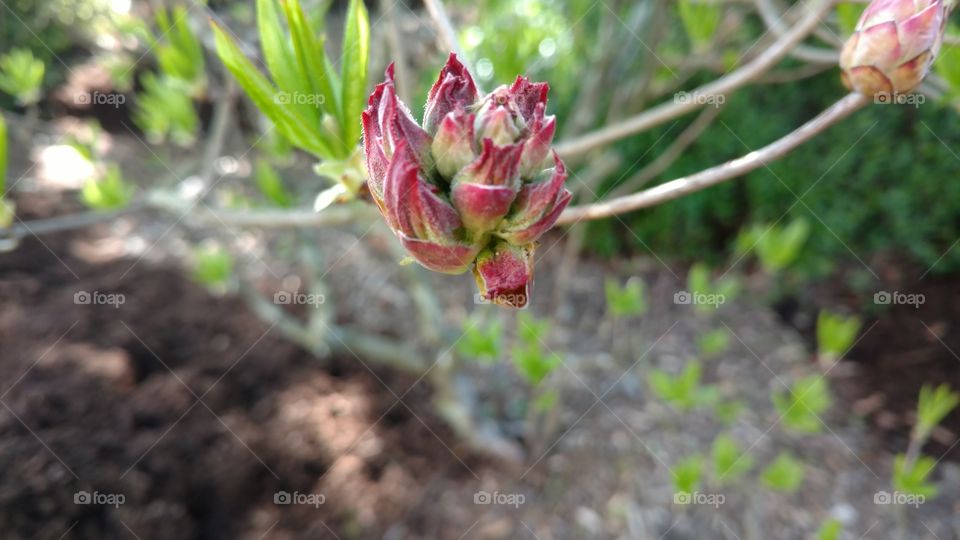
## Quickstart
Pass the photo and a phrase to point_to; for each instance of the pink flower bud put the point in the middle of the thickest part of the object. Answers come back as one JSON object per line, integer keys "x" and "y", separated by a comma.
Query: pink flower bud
{"x": 504, "y": 274}
{"x": 894, "y": 45}
{"x": 469, "y": 188}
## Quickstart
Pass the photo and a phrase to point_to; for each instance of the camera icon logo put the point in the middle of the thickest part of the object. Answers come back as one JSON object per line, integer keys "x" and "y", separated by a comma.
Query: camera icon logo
{"x": 882, "y": 298}
{"x": 82, "y": 497}
{"x": 682, "y": 497}
{"x": 882, "y": 497}
{"x": 281, "y": 497}
{"x": 682, "y": 298}
{"x": 282, "y": 297}
{"x": 481, "y": 497}
{"x": 82, "y": 298}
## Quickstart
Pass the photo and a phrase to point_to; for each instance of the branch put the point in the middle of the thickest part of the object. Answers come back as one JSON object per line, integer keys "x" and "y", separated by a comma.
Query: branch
{"x": 731, "y": 169}
{"x": 722, "y": 86}
{"x": 446, "y": 32}
{"x": 773, "y": 19}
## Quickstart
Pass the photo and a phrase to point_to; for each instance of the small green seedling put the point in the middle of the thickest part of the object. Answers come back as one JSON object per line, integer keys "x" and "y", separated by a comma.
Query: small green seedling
{"x": 830, "y": 530}
{"x": 683, "y": 391}
{"x": 705, "y": 293}
{"x": 801, "y": 406}
{"x": 213, "y": 267}
{"x": 21, "y": 76}
{"x": 481, "y": 341}
{"x": 628, "y": 300}
{"x": 785, "y": 474}
{"x": 835, "y": 335}
{"x": 911, "y": 477}
{"x": 530, "y": 355}
{"x": 713, "y": 342}
{"x": 111, "y": 192}
{"x": 933, "y": 406}
{"x": 729, "y": 460}
{"x": 687, "y": 474}
{"x": 777, "y": 248}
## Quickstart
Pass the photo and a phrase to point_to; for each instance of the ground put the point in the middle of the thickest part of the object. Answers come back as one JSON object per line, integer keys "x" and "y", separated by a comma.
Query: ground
{"x": 200, "y": 415}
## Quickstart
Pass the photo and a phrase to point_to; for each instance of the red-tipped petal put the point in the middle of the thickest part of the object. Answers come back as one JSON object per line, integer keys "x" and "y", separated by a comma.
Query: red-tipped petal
{"x": 453, "y": 145}
{"x": 413, "y": 207}
{"x": 537, "y": 146}
{"x": 377, "y": 162}
{"x": 527, "y": 95}
{"x": 448, "y": 259}
{"x": 481, "y": 207}
{"x": 504, "y": 274}
{"x": 496, "y": 165}
{"x": 537, "y": 207}
{"x": 454, "y": 88}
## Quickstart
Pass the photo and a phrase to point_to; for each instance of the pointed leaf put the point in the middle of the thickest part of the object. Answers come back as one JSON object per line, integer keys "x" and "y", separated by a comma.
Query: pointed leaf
{"x": 262, "y": 94}
{"x": 353, "y": 69}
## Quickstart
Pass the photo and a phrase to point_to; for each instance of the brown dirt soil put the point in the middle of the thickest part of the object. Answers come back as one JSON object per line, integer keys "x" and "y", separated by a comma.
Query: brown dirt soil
{"x": 104, "y": 399}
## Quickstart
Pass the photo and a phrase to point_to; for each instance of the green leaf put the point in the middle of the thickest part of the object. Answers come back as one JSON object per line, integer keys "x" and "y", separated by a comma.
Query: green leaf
{"x": 480, "y": 341}
{"x": 109, "y": 193}
{"x": 713, "y": 342}
{"x": 3, "y": 156}
{"x": 534, "y": 363}
{"x": 848, "y": 13}
{"x": 830, "y": 530}
{"x": 213, "y": 267}
{"x": 911, "y": 478}
{"x": 313, "y": 63}
{"x": 356, "y": 42}
{"x": 784, "y": 474}
{"x": 628, "y": 300}
{"x": 687, "y": 474}
{"x": 263, "y": 94}
{"x": 801, "y": 407}
{"x": 700, "y": 18}
{"x": 948, "y": 67}
{"x": 164, "y": 109}
{"x": 683, "y": 391}
{"x": 836, "y": 333}
{"x": 729, "y": 460}
{"x": 271, "y": 186}
{"x": 21, "y": 75}
{"x": 282, "y": 62}
{"x": 933, "y": 406}
{"x": 779, "y": 247}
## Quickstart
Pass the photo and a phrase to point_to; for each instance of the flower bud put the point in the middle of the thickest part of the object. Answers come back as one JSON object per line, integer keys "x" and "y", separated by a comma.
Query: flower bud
{"x": 468, "y": 188}
{"x": 893, "y": 46}
{"x": 504, "y": 274}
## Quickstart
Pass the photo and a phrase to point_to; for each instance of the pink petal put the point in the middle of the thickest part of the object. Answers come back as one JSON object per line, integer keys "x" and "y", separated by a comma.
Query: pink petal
{"x": 413, "y": 206}
{"x": 448, "y": 259}
{"x": 497, "y": 165}
{"x": 537, "y": 145}
{"x": 453, "y": 145}
{"x": 454, "y": 88}
{"x": 504, "y": 274}
{"x": 527, "y": 95}
{"x": 481, "y": 206}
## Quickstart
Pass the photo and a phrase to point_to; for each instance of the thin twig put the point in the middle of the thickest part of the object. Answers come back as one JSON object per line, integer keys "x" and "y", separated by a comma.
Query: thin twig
{"x": 774, "y": 20}
{"x": 446, "y": 32}
{"x": 722, "y": 86}
{"x": 731, "y": 169}
{"x": 671, "y": 154}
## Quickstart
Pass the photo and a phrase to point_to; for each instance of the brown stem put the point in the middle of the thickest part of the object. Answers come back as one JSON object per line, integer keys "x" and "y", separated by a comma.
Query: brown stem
{"x": 712, "y": 176}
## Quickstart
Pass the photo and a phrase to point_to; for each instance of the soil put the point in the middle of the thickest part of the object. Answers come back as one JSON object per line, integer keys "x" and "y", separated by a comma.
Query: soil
{"x": 186, "y": 405}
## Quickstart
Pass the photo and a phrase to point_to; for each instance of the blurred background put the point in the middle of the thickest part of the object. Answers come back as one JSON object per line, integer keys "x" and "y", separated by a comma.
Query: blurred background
{"x": 204, "y": 335}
